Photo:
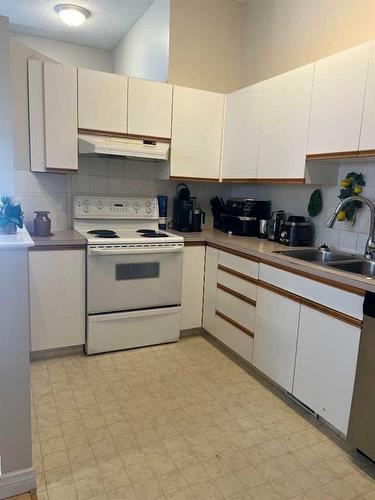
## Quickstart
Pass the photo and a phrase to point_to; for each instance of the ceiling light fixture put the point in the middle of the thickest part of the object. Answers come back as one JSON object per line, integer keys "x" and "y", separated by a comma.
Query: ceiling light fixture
{"x": 72, "y": 15}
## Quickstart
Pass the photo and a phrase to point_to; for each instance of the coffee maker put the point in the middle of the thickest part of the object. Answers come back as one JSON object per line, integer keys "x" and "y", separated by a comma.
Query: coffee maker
{"x": 183, "y": 209}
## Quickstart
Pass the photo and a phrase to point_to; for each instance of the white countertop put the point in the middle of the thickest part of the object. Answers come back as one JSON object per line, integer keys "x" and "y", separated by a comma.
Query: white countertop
{"x": 19, "y": 241}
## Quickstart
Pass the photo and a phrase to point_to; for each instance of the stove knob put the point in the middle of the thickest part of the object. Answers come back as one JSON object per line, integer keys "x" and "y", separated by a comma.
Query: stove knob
{"x": 100, "y": 205}
{"x": 148, "y": 210}
{"x": 86, "y": 209}
{"x": 148, "y": 203}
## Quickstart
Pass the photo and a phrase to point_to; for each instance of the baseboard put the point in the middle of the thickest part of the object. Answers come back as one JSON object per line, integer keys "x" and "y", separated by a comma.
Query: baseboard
{"x": 191, "y": 332}
{"x": 18, "y": 482}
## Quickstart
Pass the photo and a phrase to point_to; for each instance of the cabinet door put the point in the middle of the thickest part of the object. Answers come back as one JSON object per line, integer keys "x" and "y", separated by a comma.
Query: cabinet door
{"x": 192, "y": 287}
{"x": 285, "y": 119}
{"x": 326, "y": 365}
{"x": 242, "y": 132}
{"x": 337, "y": 101}
{"x": 57, "y": 298}
{"x": 275, "y": 343}
{"x": 197, "y": 125}
{"x": 102, "y": 101}
{"x": 149, "y": 108}
{"x": 210, "y": 282}
{"x": 60, "y": 118}
{"x": 367, "y": 138}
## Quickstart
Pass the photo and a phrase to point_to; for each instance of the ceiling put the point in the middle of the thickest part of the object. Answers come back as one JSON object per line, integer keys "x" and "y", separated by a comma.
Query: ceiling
{"x": 109, "y": 20}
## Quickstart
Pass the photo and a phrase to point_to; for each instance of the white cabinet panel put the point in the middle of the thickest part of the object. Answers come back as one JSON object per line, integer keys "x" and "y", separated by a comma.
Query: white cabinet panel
{"x": 367, "y": 138}
{"x": 275, "y": 342}
{"x": 52, "y": 92}
{"x": 60, "y": 108}
{"x": 326, "y": 365}
{"x": 240, "y": 264}
{"x": 192, "y": 287}
{"x": 242, "y": 132}
{"x": 285, "y": 119}
{"x": 102, "y": 101}
{"x": 197, "y": 124}
{"x": 236, "y": 309}
{"x": 234, "y": 338}
{"x": 239, "y": 285}
{"x": 329, "y": 296}
{"x": 210, "y": 282}
{"x": 337, "y": 101}
{"x": 57, "y": 298}
{"x": 149, "y": 108}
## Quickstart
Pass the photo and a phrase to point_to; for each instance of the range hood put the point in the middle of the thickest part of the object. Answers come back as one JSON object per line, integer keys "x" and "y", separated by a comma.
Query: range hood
{"x": 93, "y": 145}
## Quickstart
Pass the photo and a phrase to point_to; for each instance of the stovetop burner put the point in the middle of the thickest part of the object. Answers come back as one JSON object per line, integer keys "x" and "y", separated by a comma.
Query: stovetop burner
{"x": 154, "y": 235}
{"x": 101, "y": 231}
{"x": 107, "y": 235}
{"x": 146, "y": 231}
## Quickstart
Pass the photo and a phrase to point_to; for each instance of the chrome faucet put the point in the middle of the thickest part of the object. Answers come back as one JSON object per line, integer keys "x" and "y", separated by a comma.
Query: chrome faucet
{"x": 370, "y": 245}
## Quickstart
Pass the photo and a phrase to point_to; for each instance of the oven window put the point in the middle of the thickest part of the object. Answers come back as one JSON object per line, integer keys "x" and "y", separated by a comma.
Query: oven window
{"x": 137, "y": 271}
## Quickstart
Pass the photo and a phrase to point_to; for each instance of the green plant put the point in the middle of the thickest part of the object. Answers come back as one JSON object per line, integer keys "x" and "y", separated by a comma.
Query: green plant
{"x": 351, "y": 186}
{"x": 10, "y": 212}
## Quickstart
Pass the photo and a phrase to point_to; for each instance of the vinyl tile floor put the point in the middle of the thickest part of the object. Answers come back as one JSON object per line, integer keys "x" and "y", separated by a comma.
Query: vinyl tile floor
{"x": 180, "y": 422}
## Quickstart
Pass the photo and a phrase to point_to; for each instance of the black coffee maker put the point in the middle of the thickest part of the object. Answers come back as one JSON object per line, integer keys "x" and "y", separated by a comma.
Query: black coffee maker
{"x": 183, "y": 209}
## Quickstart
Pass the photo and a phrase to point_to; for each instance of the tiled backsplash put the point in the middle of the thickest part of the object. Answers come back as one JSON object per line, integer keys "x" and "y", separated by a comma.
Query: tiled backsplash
{"x": 101, "y": 176}
{"x": 294, "y": 199}
{"x": 112, "y": 177}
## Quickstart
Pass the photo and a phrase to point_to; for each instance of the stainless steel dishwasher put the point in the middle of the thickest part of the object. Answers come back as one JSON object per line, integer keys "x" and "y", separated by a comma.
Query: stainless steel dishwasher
{"x": 361, "y": 432}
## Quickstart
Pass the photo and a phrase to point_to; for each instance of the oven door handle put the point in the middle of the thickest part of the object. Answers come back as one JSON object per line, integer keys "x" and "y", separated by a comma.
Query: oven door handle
{"x": 130, "y": 251}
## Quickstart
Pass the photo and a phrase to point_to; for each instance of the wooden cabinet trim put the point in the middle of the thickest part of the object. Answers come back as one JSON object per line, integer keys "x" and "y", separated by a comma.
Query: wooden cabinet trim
{"x": 244, "y": 277}
{"x": 281, "y": 180}
{"x": 239, "y": 180}
{"x": 279, "y": 291}
{"x": 234, "y": 323}
{"x": 319, "y": 279}
{"x": 108, "y": 133}
{"x": 366, "y": 152}
{"x": 238, "y": 295}
{"x": 206, "y": 179}
{"x": 337, "y": 155}
{"x": 332, "y": 312}
{"x": 234, "y": 252}
{"x": 188, "y": 243}
{"x": 52, "y": 248}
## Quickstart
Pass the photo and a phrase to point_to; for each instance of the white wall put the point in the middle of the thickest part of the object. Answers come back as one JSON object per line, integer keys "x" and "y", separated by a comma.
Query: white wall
{"x": 69, "y": 53}
{"x": 6, "y": 144}
{"x": 144, "y": 50}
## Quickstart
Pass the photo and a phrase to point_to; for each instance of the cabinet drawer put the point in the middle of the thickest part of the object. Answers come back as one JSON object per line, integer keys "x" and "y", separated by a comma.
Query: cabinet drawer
{"x": 236, "y": 309}
{"x": 239, "y": 264}
{"x": 233, "y": 337}
{"x": 240, "y": 285}
{"x": 329, "y": 296}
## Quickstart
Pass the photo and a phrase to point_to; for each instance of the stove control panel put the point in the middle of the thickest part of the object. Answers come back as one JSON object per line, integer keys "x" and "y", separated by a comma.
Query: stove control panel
{"x": 92, "y": 207}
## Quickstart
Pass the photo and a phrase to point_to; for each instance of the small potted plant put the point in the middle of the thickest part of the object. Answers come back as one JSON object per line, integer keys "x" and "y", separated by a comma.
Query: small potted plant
{"x": 11, "y": 216}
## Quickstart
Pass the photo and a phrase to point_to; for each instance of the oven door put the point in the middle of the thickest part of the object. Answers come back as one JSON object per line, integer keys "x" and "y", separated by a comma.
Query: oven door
{"x": 121, "y": 280}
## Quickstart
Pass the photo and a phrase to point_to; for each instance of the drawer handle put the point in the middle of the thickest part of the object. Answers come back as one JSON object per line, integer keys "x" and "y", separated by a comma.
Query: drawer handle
{"x": 242, "y": 276}
{"x": 238, "y": 295}
{"x": 234, "y": 323}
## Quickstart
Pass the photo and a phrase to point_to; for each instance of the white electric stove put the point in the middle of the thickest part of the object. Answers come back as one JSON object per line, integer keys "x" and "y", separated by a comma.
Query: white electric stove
{"x": 134, "y": 273}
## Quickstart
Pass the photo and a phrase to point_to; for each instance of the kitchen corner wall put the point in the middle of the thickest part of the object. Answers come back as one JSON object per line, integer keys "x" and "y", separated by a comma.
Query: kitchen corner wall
{"x": 102, "y": 177}
{"x": 294, "y": 200}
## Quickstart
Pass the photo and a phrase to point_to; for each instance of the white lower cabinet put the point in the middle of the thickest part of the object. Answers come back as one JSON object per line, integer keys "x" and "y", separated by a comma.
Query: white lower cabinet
{"x": 192, "y": 287}
{"x": 57, "y": 298}
{"x": 276, "y": 330}
{"x": 325, "y": 365}
{"x": 235, "y": 339}
{"x": 210, "y": 284}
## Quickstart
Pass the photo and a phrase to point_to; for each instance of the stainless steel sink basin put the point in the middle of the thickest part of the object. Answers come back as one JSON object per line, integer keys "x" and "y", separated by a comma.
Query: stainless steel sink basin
{"x": 363, "y": 267}
{"x": 318, "y": 256}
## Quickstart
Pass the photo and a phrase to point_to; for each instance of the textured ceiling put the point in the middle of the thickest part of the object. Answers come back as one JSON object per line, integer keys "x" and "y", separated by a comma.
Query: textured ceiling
{"x": 109, "y": 20}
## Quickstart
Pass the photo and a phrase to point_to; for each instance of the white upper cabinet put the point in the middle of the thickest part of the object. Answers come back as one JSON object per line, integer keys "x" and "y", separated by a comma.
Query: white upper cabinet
{"x": 242, "y": 132}
{"x": 326, "y": 365}
{"x": 102, "y": 101}
{"x": 149, "y": 108}
{"x": 197, "y": 125}
{"x": 285, "y": 119}
{"x": 337, "y": 101}
{"x": 52, "y": 116}
{"x": 367, "y": 138}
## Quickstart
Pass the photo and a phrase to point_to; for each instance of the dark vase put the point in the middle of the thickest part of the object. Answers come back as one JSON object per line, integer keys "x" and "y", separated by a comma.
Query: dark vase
{"x": 42, "y": 224}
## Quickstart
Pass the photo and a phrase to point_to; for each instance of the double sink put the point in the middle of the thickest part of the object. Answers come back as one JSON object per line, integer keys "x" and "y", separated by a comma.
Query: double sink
{"x": 334, "y": 259}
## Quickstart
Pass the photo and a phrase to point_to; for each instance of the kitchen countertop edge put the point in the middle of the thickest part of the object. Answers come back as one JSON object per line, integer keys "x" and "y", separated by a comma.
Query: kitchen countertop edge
{"x": 62, "y": 238}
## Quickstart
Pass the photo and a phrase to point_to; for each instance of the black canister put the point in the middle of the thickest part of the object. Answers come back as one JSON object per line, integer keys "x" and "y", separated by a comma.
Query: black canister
{"x": 42, "y": 223}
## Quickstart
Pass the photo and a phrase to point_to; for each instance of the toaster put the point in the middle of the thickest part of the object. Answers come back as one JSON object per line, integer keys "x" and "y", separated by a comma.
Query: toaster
{"x": 297, "y": 231}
